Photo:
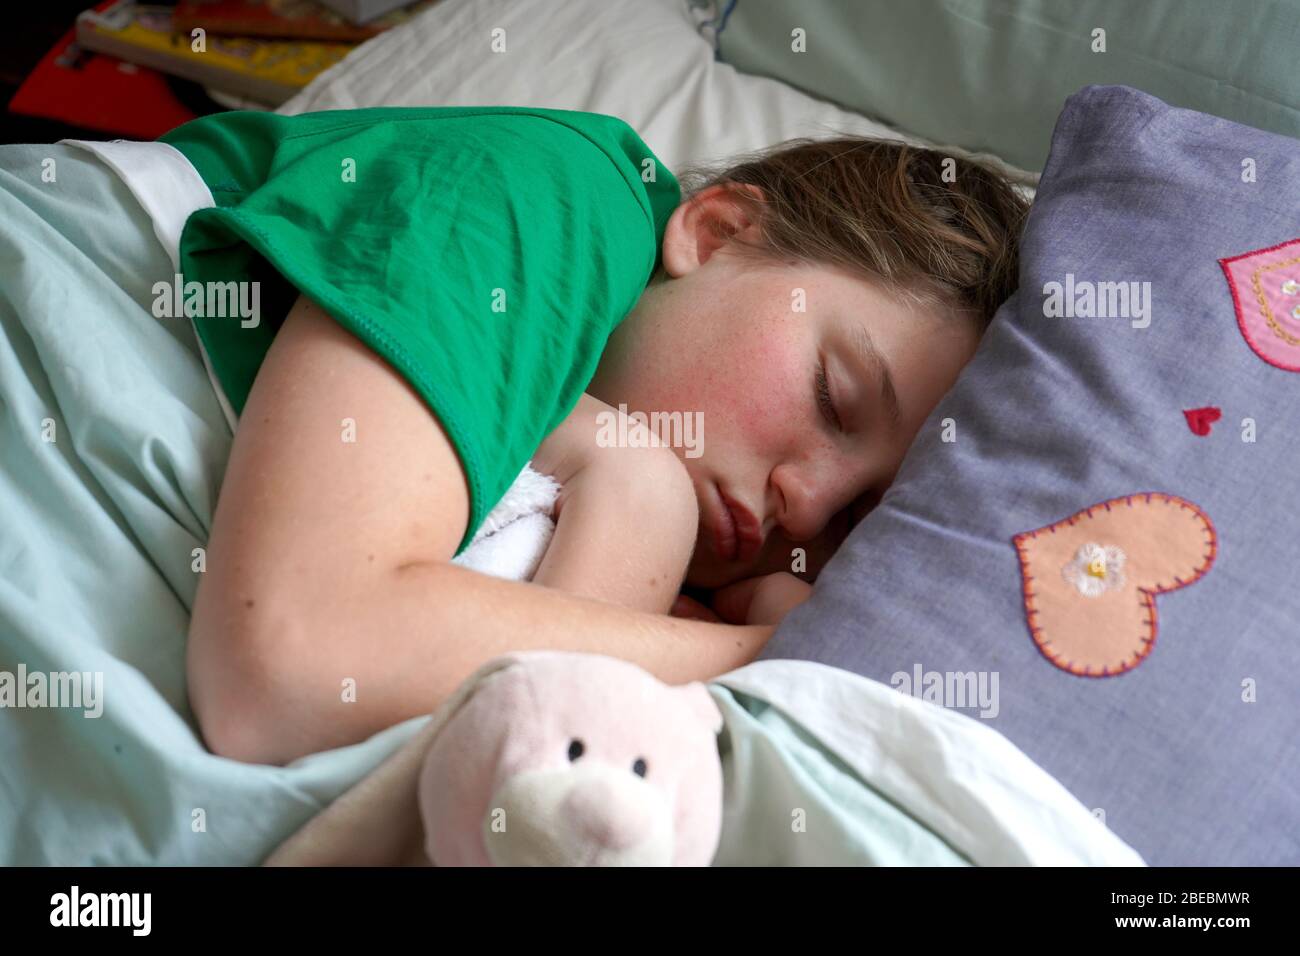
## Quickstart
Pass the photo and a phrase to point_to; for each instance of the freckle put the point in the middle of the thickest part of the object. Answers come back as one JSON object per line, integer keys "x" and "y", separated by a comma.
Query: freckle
{"x": 428, "y": 476}
{"x": 370, "y": 557}
{"x": 653, "y": 580}
{"x": 248, "y": 603}
{"x": 266, "y": 420}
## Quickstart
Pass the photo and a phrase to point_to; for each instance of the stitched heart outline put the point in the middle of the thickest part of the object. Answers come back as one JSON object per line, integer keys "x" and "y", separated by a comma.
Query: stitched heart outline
{"x": 1265, "y": 287}
{"x": 1089, "y": 581}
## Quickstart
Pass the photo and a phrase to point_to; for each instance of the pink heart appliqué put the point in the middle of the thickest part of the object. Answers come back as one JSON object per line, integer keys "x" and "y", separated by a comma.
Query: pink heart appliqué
{"x": 1265, "y": 286}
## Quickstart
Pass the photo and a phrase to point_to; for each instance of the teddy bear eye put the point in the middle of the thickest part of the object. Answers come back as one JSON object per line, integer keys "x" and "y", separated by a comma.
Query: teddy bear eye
{"x": 575, "y": 749}
{"x": 639, "y": 768}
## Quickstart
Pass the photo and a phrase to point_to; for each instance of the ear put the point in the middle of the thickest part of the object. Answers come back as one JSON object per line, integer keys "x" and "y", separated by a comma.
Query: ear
{"x": 467, "y": 689}
{"x": 698, "y": 698}
{"x": 704, "y": 223}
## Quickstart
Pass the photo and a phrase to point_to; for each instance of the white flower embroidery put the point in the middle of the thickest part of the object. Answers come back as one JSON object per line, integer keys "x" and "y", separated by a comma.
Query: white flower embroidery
{"x": 1095, "y": 569}
{"x": 1291, "y": 287}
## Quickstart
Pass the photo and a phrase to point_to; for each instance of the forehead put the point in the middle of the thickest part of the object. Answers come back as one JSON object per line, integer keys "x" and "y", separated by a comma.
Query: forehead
{"x": 916, "y": 338}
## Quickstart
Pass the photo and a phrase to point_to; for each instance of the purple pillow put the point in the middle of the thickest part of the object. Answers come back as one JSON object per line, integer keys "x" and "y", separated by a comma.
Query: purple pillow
{"x": 1094, "y": 544}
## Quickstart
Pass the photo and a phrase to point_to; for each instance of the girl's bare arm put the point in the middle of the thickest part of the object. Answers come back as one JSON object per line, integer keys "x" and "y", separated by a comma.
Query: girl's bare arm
{"x": 329, "y": 609}
{"x": 626, "y": 519}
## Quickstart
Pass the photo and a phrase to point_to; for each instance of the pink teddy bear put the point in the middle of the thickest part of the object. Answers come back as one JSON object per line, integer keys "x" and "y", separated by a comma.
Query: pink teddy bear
{"x": 539, "y": 758}
{"x": 560, "y": 759}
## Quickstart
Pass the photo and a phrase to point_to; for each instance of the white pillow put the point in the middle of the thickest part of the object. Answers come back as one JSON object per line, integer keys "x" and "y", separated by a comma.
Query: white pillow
{"x": 640, "y": 60}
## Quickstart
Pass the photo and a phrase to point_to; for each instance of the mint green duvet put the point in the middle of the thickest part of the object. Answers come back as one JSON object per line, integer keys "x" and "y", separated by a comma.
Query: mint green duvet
{"x": 112, "y": 446}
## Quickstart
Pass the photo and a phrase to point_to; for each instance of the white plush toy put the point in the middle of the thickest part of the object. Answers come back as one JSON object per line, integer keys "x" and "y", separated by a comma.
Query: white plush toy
{"x": 514, "y": 536}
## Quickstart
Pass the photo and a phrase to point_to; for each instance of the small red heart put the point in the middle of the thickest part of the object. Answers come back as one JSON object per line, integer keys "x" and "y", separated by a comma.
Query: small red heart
{"x": 1199, "y": 420}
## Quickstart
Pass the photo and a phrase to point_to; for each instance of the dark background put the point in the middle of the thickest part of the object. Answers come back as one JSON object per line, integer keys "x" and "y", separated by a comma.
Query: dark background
{"x": 28, "y": 28}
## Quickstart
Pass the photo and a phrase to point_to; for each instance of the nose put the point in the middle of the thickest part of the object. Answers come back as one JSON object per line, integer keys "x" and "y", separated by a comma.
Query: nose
{"x": 605, "y": 817}
{"x": 809, "y": 495}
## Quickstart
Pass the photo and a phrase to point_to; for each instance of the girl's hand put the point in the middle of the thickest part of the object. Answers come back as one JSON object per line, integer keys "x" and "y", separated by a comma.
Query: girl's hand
{"x": 688, "y": 607}
{"x": 761, "y": 600}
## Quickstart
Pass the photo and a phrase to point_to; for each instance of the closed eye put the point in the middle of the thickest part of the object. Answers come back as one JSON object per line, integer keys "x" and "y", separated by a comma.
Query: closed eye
{"x": 823, "y": 387}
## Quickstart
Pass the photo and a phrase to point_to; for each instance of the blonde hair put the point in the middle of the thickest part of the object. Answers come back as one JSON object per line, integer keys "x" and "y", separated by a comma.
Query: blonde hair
{"x": 884, "y": 210}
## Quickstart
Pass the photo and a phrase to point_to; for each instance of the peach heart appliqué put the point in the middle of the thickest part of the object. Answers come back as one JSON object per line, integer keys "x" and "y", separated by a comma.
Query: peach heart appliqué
{"x": 1265, "y": 286}
{"x": 1090, "y": 580}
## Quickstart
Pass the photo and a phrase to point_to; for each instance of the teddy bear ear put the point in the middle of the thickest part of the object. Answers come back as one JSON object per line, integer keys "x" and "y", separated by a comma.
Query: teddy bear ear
{"x": 467, "y": 689}
{"x": 701, "y": 703}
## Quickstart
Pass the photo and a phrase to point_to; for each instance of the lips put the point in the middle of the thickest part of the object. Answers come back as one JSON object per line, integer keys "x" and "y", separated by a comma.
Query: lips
{"x": 738, "y": 535}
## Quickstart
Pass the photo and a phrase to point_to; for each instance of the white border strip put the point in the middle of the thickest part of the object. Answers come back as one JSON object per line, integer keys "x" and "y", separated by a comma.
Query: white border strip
{"x": 169, "y": 188}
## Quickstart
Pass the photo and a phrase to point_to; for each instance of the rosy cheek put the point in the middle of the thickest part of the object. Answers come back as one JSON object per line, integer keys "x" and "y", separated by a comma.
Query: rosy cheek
{"x": 759, "y": 390}
{"x": 751, "y": 385}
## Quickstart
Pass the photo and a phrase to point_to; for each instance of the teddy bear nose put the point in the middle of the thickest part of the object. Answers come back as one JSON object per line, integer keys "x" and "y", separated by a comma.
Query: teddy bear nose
{"x": 605, "y": 816}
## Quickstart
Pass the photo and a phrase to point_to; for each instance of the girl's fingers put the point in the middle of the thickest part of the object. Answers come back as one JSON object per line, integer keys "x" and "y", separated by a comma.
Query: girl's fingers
{"x": 732, "y": 602}
{"x": 689, "y": 607}
{"x": 761, "y": 600}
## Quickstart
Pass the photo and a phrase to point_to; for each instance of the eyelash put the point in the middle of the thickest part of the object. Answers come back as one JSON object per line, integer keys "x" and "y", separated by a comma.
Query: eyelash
{"x": 824, "y": 398}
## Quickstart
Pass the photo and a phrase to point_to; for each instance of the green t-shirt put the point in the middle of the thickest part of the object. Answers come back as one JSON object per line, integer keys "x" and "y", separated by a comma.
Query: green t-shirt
{"x": 485, "y": 253}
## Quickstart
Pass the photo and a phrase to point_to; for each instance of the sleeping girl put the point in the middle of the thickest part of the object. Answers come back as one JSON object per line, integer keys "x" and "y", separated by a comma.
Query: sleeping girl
{"x": 450, "y": 293}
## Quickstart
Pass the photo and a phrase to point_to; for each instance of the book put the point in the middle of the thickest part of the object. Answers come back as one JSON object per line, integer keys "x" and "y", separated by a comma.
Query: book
{"x": 266, "y": 70}
{"x": 297, "y": 19}
{"x": 99, "y": 92}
